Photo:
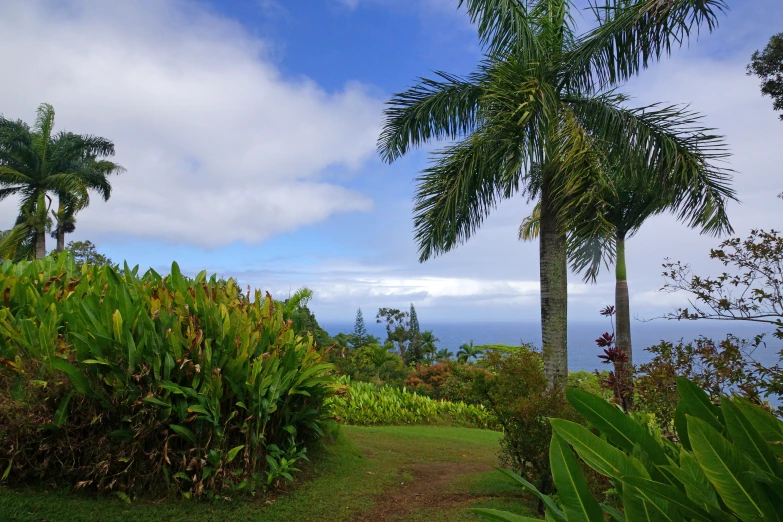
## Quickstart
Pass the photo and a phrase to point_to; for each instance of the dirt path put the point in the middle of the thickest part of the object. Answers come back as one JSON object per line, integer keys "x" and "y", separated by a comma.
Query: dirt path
{"x": 428, "y": 486}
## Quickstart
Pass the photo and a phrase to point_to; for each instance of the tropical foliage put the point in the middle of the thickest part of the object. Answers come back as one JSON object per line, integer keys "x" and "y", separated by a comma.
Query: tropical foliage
{"x": 366, "y": 404}
{"x": 768, "y": 66}
{"x": 119, "y": 382}
{"x": 728, "y": 465}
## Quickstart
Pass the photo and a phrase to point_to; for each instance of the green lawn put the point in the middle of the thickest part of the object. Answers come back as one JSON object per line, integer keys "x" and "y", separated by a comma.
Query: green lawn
{"x": 390, "y": 473}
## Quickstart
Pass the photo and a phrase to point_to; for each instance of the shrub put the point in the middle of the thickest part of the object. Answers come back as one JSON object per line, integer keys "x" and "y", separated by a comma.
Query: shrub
{"x": 728, "y": 466}
{"x": 449, "y": 381}
{"x": 517, "y": 392}
{"x": 366, "y": 404}
{"x": 116, "y": 382}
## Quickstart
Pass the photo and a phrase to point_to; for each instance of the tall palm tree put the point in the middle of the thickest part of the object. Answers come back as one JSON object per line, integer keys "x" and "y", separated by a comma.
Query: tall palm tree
{"x": 443, "y": 355}
{"x": 467, "y": 352}
{"x": 36, "y": 163}
{"x": 632, "y": 198}
{"x": 539, "y": 117}
{"x": 428, "y": 347}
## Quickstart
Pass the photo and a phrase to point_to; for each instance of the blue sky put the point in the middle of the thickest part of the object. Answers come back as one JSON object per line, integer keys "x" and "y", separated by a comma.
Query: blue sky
{"x": 248, "y": 129}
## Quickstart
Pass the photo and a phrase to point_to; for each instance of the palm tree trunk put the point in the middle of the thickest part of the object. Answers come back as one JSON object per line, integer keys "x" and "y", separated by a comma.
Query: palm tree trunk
{"x": 60, "y": 227}
{"x": 40, "y": 244}
{"x": 623, "y": 306}
{"x": 554, "y": 294}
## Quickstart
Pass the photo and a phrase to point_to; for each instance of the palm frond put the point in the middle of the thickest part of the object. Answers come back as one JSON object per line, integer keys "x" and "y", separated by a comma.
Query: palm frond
{"x": 671, "y": 144}
{"x": 504, "y": 26}
{"x": 444, "y": 108}
{"x": 631, "y": 34}
{"x": 531, "y": 225}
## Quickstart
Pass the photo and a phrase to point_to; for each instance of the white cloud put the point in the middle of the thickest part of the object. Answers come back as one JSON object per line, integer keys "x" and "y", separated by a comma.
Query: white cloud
{"x": 218, "y": 145}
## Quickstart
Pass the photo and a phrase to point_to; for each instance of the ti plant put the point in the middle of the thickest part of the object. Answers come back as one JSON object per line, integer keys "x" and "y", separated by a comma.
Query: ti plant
{"x": 726, "y": 467}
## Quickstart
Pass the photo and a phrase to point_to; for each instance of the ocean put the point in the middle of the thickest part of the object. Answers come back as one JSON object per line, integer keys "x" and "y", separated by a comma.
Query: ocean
{"x": 582, "y": 350}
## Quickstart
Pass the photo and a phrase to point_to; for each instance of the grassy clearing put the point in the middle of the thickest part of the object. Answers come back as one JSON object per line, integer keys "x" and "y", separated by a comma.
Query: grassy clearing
{"x": 404, "y": 473}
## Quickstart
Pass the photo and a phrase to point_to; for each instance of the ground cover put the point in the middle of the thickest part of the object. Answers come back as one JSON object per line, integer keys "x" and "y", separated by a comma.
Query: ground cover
{"x": 377, "y": 473}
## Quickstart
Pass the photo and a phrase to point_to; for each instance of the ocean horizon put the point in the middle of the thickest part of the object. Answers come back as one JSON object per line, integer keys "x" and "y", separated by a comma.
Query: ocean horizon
{"x": 582, "y": 350}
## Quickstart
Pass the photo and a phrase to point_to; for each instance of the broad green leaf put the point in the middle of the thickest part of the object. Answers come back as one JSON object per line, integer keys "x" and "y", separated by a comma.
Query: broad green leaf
{"x": 694, "y": 402}
{"x": 7, "y": 470}
{"x": 724, "y": 467}
{"x": 61, "y": 415}
{"x": 184, "y": 432}
{"x": 233, "y": 453}
{"x": 597, "y": 453}
{"x": 494, "y": 515}
{"x": 613, "y": 513}
{"x": 670, "y": 494}
{"x": 551, "y": 508}
{"x": 618, "y": 427}
{"x": 578, "y": 504}
{"x": 78, "y": 380}
{"x": 642, "y": 507}
{"x": 122, "y": 435}
{"x": 747, "y": 439}
{"x": 156, "y": 402}
{"x": 770, "y": 427}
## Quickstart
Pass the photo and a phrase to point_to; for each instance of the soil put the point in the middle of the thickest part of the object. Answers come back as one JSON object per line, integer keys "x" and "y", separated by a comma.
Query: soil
{"x": 428, "y": 489}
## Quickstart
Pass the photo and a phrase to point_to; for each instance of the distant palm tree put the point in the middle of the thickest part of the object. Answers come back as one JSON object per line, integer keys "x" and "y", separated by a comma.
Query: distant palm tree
{"x": 36, "y": 163}
{"x": 467, "y": 352}
{"x": 443, "y": 355}
{"x": 538, "y": 118}
{"x": 428, "y": 341}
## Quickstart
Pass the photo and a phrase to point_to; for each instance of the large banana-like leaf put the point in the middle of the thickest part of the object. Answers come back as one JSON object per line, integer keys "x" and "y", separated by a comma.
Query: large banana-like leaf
{"x": 725, "y": 468}
{"x": 618, "y": 427}
{"x": 694, "y": 402}
{"x": 642, "y": 507}
{"x": 597, "y": 453}
{"x": 770, "y": 427}
{"x": 747, "y": 439}
{"x": 552, "y": 510}
{"x": 670, "y": 494}
{"x": 578, "y": 504}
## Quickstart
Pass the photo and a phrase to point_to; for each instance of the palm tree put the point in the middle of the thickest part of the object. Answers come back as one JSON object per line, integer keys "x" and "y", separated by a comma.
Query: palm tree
{"x": 539, "y": 117}
{"x": 631, "y": 198}
{"x": 467, "y": 352}
{"x": 443, "y": 355}
{"x": 428, "y": 341}
{"x": 36, "y": 163}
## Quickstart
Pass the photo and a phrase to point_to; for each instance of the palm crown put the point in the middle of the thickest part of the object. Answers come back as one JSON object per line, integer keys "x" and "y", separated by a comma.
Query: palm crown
{"x": 36, "y": 163}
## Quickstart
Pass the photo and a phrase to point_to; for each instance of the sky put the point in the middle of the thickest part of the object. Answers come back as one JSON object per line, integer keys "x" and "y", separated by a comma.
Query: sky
{"x": 248, "y": 132}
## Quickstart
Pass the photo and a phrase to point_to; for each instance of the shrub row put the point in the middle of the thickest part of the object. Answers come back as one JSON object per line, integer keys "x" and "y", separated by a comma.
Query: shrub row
{"x": 118, "y": 382}
{"x": 366, "y": 404}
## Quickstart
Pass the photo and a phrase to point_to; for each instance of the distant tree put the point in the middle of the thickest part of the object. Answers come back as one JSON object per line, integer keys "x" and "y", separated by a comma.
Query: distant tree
{"x": 753, "y": 292}
{"x": 303, "y": 320}
{"x": 36, "y": 163}
{"x": 414, "y": 353}
{"x": 85, "y": 252}
{"x": 768, "y": 65}
{"x": 443, "y": 355}
{"x": 428, "y": 347}
{"x": 397, "y": 327}
{"x": 360, "y": 337}
{"x": 467, "y": 352}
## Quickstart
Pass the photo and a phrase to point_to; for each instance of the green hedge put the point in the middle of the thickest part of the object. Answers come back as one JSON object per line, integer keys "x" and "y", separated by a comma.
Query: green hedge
{"x": 365, "y": 404}
{"x": 119, "y": 382}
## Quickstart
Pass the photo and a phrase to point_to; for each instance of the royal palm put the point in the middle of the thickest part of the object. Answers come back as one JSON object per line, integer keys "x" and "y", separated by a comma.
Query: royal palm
{"x": 36, "y": 164}
{"x": 539, "y": 118}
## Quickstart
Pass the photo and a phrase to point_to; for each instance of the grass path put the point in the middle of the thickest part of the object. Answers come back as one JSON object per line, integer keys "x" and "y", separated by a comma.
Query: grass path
{"x": 418, "y": 473}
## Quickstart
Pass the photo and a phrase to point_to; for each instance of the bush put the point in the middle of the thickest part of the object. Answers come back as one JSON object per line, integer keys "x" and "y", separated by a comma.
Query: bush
{"x": 727, "y": 467}
{"x": 449, "y": 381}
{"x": 365, "y": 404}
{"x": 116, "y": 382}
{"x": 517, "y": 392}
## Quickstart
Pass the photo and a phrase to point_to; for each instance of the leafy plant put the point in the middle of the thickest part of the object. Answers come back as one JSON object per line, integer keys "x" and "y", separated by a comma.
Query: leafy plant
{"x": 728, "y": 466}
{"x": 120, "y": 382}
{"x": 366, "y": 404}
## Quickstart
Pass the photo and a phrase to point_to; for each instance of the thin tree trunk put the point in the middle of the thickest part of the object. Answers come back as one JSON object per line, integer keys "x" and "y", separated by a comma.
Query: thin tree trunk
{"x": 623, "y": 307}
{"x": 554, "y": 294}
{"x": 40, "y": 244}
{"x": 60, "y": 228}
